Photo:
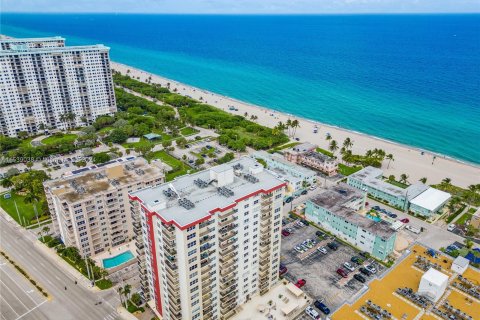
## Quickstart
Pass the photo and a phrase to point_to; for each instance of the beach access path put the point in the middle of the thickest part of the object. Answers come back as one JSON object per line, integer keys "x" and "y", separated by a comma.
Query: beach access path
{"x": 408, "y": 160}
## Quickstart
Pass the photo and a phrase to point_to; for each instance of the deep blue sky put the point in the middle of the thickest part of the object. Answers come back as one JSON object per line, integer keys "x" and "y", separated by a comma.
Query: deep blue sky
{"x": 243, "y": 6}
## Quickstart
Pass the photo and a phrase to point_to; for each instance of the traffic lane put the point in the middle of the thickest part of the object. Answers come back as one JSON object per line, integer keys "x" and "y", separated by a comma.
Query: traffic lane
{"x": 75, "y": 299}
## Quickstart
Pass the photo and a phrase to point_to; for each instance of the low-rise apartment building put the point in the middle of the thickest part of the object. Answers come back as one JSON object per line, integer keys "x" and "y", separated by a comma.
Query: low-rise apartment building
{"x": 336, "y": 210}
{"x": 305, "y": 154}
{"x": 298, "y": 178}
{"x": 212, "y": 239}
{"x": 90, "y": 207}
{"x": 417, "y": 198}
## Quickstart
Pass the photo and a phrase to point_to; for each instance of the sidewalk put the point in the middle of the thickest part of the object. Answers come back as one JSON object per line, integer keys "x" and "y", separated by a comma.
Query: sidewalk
{"x": 80, "y": 278}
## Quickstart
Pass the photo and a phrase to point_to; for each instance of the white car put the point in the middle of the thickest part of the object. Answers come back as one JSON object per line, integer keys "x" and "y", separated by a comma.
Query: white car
{"x": 371, "y": 269}
{"x": 312, "y": 188}
{"x": 348, "y": 266}
{"x": 298, "y": 249}
{"x": 322, "y": 250}
{"x": 312, "y": 313}
{"x": 451, "y": 227}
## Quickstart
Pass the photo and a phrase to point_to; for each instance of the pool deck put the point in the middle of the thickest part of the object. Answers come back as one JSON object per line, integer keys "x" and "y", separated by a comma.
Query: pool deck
{"x": 115, "y": 252}
{"x": 382, "y": 291}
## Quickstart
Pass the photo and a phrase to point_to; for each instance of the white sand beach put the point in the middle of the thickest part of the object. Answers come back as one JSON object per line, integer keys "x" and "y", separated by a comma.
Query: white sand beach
{"x": 408, "y": 160}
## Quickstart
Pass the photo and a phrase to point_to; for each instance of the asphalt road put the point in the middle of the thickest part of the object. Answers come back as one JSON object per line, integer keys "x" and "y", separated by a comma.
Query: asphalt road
{"x": 76, "y": 302}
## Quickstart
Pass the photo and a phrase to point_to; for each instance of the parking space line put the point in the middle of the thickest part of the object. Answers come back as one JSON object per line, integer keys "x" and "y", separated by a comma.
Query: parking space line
{"x": 18, "y": 285}
{"x": 38, "y": 305}
{"x": 8, "y": 304}
{"x": 14, "y": 295}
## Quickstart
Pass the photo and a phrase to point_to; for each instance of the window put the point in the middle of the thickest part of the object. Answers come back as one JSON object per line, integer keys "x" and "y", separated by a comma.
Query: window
{"x": 190, "y": 236}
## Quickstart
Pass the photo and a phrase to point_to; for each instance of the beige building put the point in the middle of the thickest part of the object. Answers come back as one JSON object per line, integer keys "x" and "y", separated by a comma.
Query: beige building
{"x": 212, "y": 239}
{"x": 475, "y": 222}
{"x": 90, "y": 206}
{"x": 305, "y": 154}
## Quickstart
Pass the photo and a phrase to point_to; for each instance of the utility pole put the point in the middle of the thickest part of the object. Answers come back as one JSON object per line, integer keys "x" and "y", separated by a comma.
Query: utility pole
{"x": 38, "y": 221}
{"x": 18, "y": 213}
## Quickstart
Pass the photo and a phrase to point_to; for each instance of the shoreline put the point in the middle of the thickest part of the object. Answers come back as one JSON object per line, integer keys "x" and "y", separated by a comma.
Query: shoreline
{"x": 408, "y": 159}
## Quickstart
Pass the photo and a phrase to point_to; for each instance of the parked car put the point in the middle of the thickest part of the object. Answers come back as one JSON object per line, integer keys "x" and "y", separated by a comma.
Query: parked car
{"x": 312, "y": 313}
{"x": 405, "y": 220}
{"x": 357, "y": 260}
{"x": 312, "y": 188}
{"x": 371, "y": 268}
{"x": 322, "y": 307}
{"x": 365, "y": 271}
{"x": 376, "y": 208}
{"x": 299, "y": 223}
{"x": 304, "y": 192}
{"x": 451, "y": 227}
{"x": 299, "y": 249}
{"x": 392, "y": 215}
{"x": 282, "y": 269}
{"x": 319, "y": 234}
{"x": 322, "y": 250}
{"x": 285, "y": 233}
{"x": 359, "y": 278}
{"x": 333, "y": 246}
{"x": 300, "y": 283}
{"x": 305, "y": 222}
{"x": 365, "y": 254}
{"x": 289, "y": 230}
{"x": 412, "y": 229}
{"x": 342, "y": 272}
{"x": 348, "y": 266}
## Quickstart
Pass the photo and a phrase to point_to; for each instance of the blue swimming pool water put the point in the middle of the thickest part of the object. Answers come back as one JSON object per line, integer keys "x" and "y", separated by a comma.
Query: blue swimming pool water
{"x": 376, "y": 219}
{"x": 117, "y": 260}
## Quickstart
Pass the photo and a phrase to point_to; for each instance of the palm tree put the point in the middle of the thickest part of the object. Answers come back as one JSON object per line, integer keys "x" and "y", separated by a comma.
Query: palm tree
{"x": 295, "y": 124}
{"x": 333, "y": 146}
{"x": 127, "y": 290}
{"x": 347, "y": 143}
{"x": 245, "y": 114}
{"x": 403, "y": 178}
{"x": 328, "y": 137}
{"x": 288, "y": 124}
{"x": 447, "y": 181}
{"x": 390, "y": 158}
{"x": 423, "y": 180}
{"x": 121, "y": 293}
{"x": 6, "y": 183}
{"x": 468, "y": 243}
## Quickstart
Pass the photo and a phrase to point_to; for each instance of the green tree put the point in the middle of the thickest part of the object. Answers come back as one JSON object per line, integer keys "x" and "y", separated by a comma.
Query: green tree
{"x": 423, "y": 180}
{"x": 333, "y": 146}
{"x": 391, "y": 177}
{"x": 117, "y": 136}
{"x": 347, "y": 143}
{"x": 390, "y": 158}
{"x": 100, "y": 157}
{"x": 403, "y": 178}
{"x": 144, "y": 149}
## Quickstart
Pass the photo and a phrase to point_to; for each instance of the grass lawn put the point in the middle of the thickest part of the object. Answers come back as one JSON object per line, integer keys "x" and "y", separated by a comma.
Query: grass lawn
{"x": 463, "y": 219}
{"x": 133, "y": 308}
{"x": 454, "y": 215}
{"x": 188, "y": 131}
{"x": 397, "y": 183}
{"x": 25, "y": 210}
{"x": 178, "y": 167}
{"x": 26, "y": 142}
{"x": 203, "y": 151}
{"x": 325, "y": 152}
{"x": 347, "y": 170}
{"x": 103, "y": 284}
{"x": 69, "y": 138}
{"x": 105, "y": 130}
{"x": 284, "y": 146}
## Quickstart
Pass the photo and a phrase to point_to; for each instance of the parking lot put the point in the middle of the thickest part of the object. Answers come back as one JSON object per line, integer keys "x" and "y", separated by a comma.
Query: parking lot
{"x": 320, "y": 270}
{"x": 18, "y": 296}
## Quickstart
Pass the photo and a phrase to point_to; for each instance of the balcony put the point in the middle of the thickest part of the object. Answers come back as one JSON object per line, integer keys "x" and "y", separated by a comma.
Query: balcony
{"x": 228, "y": 221}
{"x": 228, "y": 313}
{"x": 227, "y": 235}
{"x": 228, "y": 258}
{"x": 267, "y": 202}
{"x": 225, "y": 214}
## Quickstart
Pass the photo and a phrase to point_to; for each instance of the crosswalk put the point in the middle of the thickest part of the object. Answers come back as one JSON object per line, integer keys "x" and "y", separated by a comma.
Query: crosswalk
{"x": 112, "y": 316}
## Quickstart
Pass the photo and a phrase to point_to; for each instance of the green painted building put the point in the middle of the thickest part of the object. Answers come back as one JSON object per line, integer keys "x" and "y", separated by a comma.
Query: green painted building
{"x": 336, "y": 210}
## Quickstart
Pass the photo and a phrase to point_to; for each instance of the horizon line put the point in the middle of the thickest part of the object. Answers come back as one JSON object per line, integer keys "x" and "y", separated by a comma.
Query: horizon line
{"x": 246, "y": 13}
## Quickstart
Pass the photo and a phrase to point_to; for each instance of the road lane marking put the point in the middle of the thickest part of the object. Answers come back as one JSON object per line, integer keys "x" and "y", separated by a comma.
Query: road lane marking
{"x": 57, "y": 278}
{"x": 38, "y": 305}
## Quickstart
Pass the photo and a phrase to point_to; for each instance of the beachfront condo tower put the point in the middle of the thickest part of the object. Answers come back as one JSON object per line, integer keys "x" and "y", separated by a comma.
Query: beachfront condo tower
{"x": 90, "y": 207}
{"x": 212, "y": 239}
{"x": 47, "y": 85}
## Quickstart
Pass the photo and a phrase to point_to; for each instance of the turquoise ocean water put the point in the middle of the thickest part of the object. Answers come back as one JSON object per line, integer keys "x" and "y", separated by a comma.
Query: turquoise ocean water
{"x": 412, "y": 79}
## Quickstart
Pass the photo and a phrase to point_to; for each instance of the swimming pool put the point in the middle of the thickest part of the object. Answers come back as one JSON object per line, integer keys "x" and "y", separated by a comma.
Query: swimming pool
{"x": 376, "y": 219}
{"x": 118, "y": 260}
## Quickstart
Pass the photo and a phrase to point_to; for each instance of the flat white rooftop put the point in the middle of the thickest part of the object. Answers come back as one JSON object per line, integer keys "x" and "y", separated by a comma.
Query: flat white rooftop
{"x": 435, "y": 277}
{"x": 206, "y": 191}
{"x": 431, "y": 199}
